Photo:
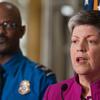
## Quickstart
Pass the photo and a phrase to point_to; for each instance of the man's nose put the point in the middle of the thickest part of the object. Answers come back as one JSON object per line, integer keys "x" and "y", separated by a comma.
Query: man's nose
{"x": 2, "y": 30}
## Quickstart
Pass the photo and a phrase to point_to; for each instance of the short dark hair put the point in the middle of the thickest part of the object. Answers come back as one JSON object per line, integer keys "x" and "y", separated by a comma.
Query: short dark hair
{"x": 14, "y": 9}
{"x": 84, "y": 17}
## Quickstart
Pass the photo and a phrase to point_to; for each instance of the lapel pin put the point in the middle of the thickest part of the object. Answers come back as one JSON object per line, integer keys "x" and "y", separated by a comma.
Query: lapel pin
{"x": 24, "y": 87}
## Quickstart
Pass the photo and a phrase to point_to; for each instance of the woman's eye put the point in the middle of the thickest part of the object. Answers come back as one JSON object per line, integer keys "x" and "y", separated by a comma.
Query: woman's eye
{"x": 92, "y": 41}
{"x": 74, "y": 41}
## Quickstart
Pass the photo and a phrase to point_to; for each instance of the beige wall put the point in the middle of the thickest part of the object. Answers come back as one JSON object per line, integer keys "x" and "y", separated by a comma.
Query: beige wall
{"x": 51, "y": 29}
{"x": 34, "y": 16}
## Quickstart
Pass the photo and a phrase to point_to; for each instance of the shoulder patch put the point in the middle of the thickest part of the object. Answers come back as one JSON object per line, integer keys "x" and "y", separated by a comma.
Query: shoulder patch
{"x": 45, "y": 69}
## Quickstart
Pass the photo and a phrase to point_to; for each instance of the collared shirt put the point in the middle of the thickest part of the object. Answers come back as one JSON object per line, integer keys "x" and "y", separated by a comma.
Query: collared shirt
{"x": 24, "y": 80}
{"x": 72, "y": 92}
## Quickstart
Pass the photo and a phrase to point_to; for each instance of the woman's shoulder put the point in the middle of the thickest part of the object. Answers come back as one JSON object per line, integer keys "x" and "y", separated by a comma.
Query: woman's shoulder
{"x": 55, "y": 91}
{"x": 63, "y": 84}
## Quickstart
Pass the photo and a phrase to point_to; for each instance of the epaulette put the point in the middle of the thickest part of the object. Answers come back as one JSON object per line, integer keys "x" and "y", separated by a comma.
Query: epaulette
{"x": 47, "y": 71}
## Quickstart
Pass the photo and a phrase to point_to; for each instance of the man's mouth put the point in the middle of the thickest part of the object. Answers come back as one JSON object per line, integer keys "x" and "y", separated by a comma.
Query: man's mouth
{"x": 2, "y": 40}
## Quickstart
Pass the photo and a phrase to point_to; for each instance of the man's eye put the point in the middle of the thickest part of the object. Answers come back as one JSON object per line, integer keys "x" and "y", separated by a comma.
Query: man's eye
{"x": 6, "y": 25}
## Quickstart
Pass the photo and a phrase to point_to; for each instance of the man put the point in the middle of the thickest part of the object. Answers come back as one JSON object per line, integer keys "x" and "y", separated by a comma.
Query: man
{"x": 23, "y": 79}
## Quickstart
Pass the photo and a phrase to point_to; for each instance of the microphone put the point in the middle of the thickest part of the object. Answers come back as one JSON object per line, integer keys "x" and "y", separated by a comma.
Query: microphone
{"x": 63, "y": 88}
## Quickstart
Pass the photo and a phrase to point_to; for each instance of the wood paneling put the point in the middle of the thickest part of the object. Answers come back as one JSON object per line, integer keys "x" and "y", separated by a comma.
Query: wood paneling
{"x": 34, "y": 16}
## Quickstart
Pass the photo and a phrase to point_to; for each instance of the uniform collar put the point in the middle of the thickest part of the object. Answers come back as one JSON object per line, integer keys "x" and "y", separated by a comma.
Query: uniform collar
{"x": 13, "y": 63}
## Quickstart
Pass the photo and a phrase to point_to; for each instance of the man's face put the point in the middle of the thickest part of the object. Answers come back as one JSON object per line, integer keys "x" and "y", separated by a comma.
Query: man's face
{"x": 85, "y": 50}
{"x": 10, "y": 31}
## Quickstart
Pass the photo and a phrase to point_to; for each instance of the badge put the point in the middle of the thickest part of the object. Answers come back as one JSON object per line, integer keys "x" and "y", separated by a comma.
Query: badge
{"x": 24, "y": 87}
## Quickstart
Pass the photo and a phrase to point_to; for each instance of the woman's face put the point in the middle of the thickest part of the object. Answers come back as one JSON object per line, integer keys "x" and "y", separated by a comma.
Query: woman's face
{"x": 85, "y": 50}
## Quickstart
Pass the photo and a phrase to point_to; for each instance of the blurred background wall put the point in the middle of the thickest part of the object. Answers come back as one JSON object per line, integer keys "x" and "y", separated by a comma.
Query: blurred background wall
{"x": 47, "y": 38}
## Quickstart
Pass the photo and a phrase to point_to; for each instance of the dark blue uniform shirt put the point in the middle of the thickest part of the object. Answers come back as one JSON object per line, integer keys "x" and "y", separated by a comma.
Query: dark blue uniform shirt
{"x": 25, "y": 79}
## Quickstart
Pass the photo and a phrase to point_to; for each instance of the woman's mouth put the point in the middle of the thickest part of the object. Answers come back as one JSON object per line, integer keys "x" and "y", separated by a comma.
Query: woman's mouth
{"x": 81, "y": 60}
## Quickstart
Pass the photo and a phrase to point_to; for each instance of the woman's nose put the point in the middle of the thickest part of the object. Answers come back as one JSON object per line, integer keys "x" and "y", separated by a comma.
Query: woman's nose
{"x": 82, "y": 47}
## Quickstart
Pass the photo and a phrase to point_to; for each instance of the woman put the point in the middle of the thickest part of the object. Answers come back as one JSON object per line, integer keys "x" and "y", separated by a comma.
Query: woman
{"x": 85, "y": 55}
